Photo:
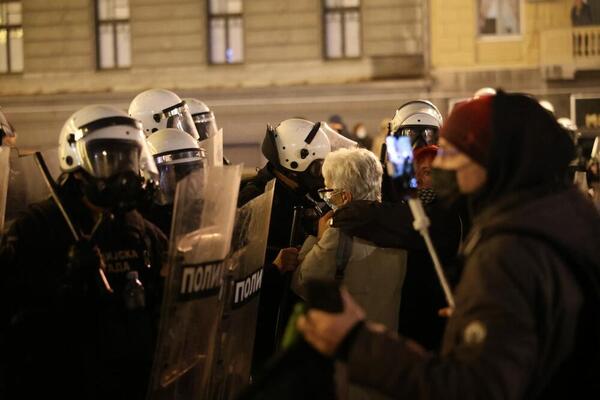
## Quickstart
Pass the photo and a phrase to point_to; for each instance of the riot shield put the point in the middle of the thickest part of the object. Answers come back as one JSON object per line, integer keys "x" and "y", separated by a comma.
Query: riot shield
{"x": 214, "y": 149}
{"x": 203, "y": 219}
{"x": 243, "y": 284}
{"x": 4, "y": 170}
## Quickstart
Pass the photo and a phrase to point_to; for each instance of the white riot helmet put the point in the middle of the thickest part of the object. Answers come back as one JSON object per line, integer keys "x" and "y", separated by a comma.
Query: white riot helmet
{"x": 159, "y": 109}
{"x": 484, "y": 91}
{"x": 176, "y": 154}
{"x": 203, "y": 117}
{"x": 570, "y": 127}
{"x": 298, "y": 147}
{"x": 547, "y": 105}
{"x": 110, "y": 147}
{"x": 418, "y": 119}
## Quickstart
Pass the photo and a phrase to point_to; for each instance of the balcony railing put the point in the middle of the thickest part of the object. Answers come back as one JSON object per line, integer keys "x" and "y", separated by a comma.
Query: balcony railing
{"x": 564, "y": 51}
{"x": 586, "y": 43}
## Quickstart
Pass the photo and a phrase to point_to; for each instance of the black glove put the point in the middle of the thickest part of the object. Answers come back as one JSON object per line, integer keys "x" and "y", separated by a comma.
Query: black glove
{"x": 355, "y": 215}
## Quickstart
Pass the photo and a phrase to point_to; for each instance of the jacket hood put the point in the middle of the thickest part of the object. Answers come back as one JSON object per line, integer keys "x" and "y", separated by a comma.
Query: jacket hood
{"x": 566, "y": 219}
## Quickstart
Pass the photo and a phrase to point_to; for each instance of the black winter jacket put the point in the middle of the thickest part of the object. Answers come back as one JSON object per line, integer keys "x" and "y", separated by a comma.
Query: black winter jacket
{"x": 526, "y": 323}
{"x": 56, "y": 343}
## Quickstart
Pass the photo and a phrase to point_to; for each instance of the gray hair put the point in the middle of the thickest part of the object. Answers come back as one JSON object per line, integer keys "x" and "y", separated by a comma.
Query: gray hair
{"x": 355, "y": 170}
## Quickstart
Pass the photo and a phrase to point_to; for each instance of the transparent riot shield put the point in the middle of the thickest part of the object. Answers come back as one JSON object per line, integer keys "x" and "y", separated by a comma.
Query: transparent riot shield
{"x": 4, "y": 171}
{"x": 243, "y": 283}
{"x": 214, "y": 149}
{"x": 203, "y": 219}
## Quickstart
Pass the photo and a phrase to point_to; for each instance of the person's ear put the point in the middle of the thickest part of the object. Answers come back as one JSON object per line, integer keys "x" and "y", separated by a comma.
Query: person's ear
{"x": 346, "y": 197}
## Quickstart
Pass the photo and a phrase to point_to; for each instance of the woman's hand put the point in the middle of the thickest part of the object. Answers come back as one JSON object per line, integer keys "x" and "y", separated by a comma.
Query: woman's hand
{"x": 287, "y": 259}
{"x": 325, "y": 331}
{"x": 324, "y": 224}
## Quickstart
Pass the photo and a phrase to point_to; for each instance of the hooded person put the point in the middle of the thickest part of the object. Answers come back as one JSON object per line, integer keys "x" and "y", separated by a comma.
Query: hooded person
{"x": 527, "y": 318}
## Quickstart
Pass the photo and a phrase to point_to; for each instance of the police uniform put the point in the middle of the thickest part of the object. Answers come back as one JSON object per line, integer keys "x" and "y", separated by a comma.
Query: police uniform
{"x": 282, "y": 215}
{"x": 58, "y": 342}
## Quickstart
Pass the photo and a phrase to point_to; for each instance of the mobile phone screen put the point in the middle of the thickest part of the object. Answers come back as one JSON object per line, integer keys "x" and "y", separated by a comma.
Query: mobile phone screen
{"x": 400, "y": 161}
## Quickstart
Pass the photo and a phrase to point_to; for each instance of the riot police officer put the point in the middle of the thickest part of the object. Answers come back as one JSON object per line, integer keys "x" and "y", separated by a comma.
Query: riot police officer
{"x": 160, "y": 108}
{"x": 176, "y": 155}
{"x": 80, "y": 282}
{"x": 295, "y": 151}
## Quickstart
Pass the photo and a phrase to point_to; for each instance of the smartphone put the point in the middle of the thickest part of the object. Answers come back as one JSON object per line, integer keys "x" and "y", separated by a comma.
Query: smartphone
{"x": 324, "y": 294}
{"x": 400, "y": 161}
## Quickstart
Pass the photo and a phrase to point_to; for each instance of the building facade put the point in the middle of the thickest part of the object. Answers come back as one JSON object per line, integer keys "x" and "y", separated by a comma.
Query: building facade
{"x": 72, "y": 46}
{"x": 526, "y": 44}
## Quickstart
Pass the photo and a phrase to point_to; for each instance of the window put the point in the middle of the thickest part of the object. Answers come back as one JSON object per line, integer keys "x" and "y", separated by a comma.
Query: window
{"x": 226, "y": 33}
{"x": 113, "y": 39}
{"x": 342, "y": 28}
{"x": 11, "y": 37}
{"x": 499, "y": 17}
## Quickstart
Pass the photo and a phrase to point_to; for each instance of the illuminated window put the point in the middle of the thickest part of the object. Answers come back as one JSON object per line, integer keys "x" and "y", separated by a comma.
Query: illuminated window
{"x": 342, "y": 28}
{"x": 113, "y": 37}
{"x": 11, "y": 37}
{"x": 226, "y": 31}
{"x": 499, "y": 17}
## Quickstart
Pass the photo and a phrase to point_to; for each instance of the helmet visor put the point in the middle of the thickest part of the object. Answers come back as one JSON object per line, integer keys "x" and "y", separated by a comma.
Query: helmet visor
{"x": 206, "y": 125}
{"x": 420, "y": 136}
{"x": 179, "y": 117}
{"x": 104, "y": 158}
{"x": 171, "y": 173}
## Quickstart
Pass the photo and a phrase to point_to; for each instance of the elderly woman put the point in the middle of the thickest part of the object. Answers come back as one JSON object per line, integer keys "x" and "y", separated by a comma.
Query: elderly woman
{"x": 373, "y": 275}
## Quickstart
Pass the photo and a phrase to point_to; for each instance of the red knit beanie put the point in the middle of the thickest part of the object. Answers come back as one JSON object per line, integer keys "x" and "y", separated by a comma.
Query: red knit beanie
{"x": 469, "y": 128}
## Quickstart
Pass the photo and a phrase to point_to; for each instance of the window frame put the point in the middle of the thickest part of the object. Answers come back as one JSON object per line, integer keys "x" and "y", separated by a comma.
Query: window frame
{"x": 342, "y": 11}
{"x": 114, "y": 22}
{"x": 210, "y": 16}
{"x": 487, "y": 37}
{"x": 8, "y": 28}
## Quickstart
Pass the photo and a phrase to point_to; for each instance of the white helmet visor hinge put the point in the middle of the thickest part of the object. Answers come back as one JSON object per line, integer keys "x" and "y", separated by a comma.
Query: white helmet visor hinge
{"x": 177, "y": 116}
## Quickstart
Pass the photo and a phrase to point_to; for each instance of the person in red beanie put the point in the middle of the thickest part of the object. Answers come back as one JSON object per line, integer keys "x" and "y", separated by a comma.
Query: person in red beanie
{"x": 527, "y": 318}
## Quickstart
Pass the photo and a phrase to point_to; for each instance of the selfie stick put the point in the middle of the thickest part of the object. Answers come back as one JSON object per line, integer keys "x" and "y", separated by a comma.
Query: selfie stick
{"x": 421, "y": 224}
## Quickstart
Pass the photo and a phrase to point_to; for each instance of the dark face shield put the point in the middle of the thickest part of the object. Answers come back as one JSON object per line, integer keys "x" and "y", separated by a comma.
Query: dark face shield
{"x": 178, "y": 117}
{"x": 108, "y": 157}
{"x": 174, "y": 167}
{"x": 420, "y": 136}
{"x": 206, "y": 125}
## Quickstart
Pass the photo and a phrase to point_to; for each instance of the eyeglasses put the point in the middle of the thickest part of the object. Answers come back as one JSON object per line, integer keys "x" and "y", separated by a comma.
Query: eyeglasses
{"x": 327, "y": 194}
